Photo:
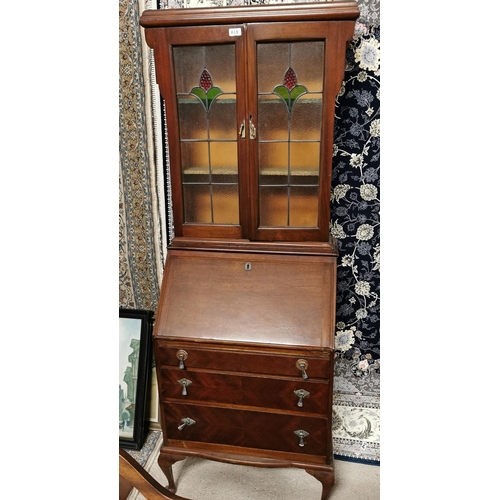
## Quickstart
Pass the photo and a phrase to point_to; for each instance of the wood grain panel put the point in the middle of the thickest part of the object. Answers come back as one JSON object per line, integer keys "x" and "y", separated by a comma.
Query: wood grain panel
{"x": 228, "y": 360}
{"x": 264, "y": 392}
{"x": 282, "y": 299}
{"x": 247, "y": 428}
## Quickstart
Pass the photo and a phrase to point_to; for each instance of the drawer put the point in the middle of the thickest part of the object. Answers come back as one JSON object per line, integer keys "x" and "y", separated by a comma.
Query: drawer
{"x": 232, "y": 360}
{"x": 265, "y": 392}
{"x": 252, "y": 429}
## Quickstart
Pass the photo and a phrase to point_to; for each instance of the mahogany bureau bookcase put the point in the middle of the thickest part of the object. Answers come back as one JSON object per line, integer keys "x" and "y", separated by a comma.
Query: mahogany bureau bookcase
{"x": 244, "y": 331}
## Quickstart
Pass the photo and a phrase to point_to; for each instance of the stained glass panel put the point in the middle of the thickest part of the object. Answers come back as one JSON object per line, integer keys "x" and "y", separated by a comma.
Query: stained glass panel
{"x": 290, "y": 106}
{"x": 206, "y": 103}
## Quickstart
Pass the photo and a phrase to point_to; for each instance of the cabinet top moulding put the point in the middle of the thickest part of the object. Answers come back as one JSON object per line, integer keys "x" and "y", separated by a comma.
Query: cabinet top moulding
{"x": 327, "y": 11}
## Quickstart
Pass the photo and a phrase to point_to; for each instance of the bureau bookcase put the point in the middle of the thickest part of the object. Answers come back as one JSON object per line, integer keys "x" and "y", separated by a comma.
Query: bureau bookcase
{"x": 244, "y": 331}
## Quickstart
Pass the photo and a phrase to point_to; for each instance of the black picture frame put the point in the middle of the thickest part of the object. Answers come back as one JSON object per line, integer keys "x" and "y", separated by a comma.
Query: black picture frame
{"x": 135, "y": 364}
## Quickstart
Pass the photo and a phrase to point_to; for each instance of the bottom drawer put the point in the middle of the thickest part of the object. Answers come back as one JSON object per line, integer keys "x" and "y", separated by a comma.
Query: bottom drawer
{"x": 252, "y": 429}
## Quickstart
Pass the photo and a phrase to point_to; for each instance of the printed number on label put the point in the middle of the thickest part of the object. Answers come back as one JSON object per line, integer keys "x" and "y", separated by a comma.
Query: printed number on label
{"x": 234, "y": 31}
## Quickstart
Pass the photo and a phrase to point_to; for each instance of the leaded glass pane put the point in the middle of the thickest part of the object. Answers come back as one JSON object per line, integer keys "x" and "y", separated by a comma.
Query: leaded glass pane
{"x": 194, "y": 159}
{"x": 273, "y": 163}
{"x": 307, "y": 59}
{"x": 304, "y": 158}
{"x": 224, "y": 161}
{"x": 273, "y": 61}
{"x": 192, "y": 118}
{"x": 197, "y": 203}
{"x": 304, "y": 206}
{"x": 305, "y": 121}
{"x": 225, "y": 203}
{"x": 222, "y": 118}
{"x": 273, "y": 118}
{"x": 273, "y": 203}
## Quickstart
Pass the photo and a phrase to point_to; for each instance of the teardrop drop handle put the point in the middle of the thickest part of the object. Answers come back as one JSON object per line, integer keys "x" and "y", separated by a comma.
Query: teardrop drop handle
{"x": 184, "y": 382}
{"x": 302, "y": 435}
{"x": 301, "y": 394}
{"x": 302, "y": 365}
{"x": 182, "y": 356}
{"x": 186, "y": 421}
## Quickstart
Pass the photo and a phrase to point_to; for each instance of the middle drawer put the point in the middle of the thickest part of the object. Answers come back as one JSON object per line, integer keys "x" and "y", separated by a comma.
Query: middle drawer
{"x": 266, "y": 392}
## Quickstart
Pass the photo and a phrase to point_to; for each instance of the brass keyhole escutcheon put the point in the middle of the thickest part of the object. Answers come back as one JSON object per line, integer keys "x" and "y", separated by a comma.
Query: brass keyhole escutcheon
{"x": 248, "y": 266}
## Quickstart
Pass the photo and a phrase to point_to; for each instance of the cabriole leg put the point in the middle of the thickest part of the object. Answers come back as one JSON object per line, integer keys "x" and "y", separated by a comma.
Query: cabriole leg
{"x": 327, "y": 479}
{"x": 165, "y": 463}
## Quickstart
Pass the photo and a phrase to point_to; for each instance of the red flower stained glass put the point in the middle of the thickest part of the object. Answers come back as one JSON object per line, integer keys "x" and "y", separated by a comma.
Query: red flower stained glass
{"x": 206, "y": 92}
{"x": 290, "y": 90}
{"x": 205, "y": 80}
{"x": 290, "y": 79}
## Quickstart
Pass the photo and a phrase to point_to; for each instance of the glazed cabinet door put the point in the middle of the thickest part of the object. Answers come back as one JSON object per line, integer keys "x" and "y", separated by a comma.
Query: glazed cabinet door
{"x": 200, "y": 72}
{"x": 250, "y": 112}
{"x": 292, "y": 89}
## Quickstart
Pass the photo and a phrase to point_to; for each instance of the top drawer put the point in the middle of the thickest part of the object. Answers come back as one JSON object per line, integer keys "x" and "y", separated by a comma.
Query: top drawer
{"x": 225, "y": 359}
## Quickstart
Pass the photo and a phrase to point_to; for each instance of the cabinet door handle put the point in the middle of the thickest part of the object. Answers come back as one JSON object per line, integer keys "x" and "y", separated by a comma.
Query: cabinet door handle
{"x": 301, "y": 394}
{"x": 182, "y": 356}
{"x": 253, "y": 129}
{"x": 302, "y": 435}
{"x": 186, "y": 421}
{"x": 241, "y": 132}
{"x": 184, "y": 382}
{"x": 302, "y": 365}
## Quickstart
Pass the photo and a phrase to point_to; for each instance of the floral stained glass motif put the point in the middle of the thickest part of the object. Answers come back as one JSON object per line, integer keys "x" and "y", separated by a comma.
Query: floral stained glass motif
{"x": 290, "y": 90}
{"x": 206, "y": 92}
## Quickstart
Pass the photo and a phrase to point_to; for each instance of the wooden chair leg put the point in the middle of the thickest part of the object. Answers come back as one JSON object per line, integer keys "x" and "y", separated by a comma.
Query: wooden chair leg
{"x": 133, "y": 475}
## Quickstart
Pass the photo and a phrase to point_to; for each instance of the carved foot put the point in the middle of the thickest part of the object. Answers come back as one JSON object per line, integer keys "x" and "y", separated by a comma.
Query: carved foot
{"x": 327, "y": 479}
{"x": 165, "y": 463}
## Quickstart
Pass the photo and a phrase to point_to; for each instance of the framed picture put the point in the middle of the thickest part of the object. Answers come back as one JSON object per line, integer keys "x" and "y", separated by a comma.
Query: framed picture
{"x": 135, "y": 364}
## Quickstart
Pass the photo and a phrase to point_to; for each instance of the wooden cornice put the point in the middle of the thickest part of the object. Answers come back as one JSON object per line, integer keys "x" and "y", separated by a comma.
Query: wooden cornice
{"x": 325, "y": 11}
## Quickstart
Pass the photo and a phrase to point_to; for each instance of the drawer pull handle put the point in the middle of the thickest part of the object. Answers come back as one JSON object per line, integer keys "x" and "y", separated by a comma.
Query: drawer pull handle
{"x": 302, "y": 365}
{"x": 182, "y": 356}
{"x": 184, "y": 382}
{"x": 186, "y": 421}
{"x": 302, "y": 435}
{"x": 301, "y": 394}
